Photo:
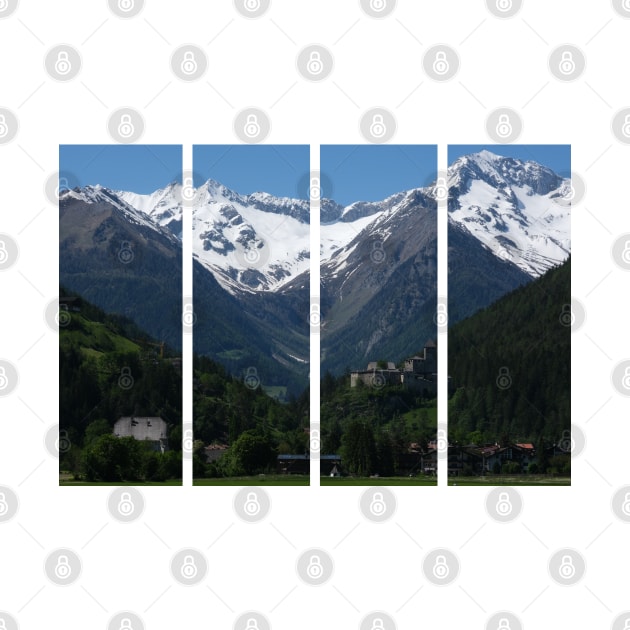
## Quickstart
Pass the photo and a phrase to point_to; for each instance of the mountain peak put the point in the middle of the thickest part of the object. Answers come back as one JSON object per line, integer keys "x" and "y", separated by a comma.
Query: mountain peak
{"x": 518, "y": 209}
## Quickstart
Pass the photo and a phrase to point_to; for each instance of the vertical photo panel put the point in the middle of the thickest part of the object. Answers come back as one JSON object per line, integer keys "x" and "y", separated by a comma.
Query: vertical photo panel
{"x": 120, "y": 331}
{"x": 378, "y": 208}
{"x": 251, "y": 256}
{"x": 509, "y": 315}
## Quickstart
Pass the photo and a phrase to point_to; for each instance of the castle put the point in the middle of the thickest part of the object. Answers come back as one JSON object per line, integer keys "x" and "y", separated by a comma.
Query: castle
{"x": 418, "y": 372}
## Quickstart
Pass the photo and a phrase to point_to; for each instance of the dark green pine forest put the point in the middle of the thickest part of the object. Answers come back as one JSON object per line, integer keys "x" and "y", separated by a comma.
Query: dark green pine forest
{"x": 510, "y": 366}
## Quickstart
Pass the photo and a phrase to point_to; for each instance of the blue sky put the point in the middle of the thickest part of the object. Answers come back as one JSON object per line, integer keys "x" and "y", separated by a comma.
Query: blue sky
{"x": 276, "y": 169}
{"x": 557, "y": 157}
{"x": 373, "y": 172}
{"x": 141, "y": 169}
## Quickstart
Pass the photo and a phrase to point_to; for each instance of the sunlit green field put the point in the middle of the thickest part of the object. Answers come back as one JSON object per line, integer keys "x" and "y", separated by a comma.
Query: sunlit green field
{"x": 511, "y": 480}
{"x": 255, "y": 480}
{"x": 169, "y": 482}
{"x": 378, "y": 481}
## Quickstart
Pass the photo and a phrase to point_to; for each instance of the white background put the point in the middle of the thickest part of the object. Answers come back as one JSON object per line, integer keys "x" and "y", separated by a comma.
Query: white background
{"x": 252, "y": 63}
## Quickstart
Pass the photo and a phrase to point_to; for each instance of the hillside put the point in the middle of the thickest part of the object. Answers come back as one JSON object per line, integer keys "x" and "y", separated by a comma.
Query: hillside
{"x": 510, "y": 365}
{"x": 110, "y": 368}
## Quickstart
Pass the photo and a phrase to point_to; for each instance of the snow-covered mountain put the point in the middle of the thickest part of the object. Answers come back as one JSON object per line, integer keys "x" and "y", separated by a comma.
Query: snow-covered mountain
{"x": 164, "y": 206}
{"x": 98, "y": 194}
{"x": 250, "y": 243}
{"x": 518, "y": 209}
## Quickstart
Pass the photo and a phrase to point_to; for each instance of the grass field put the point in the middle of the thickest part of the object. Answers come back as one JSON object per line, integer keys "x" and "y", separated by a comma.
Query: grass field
{"x": 255, "y": 480}
{"x": 514, "y": 480}
{"x": 378, "y": 481}
{"x": 170, "y": 482}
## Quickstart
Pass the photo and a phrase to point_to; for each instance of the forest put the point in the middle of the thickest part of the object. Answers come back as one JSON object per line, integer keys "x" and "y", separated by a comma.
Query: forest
{"x": 510, "y": 366}
{"x": 109, "y": 368}
{"x": 372, "y": 428}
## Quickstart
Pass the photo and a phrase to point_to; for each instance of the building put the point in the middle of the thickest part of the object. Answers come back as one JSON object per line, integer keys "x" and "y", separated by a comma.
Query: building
{"x": 145, "y": 429}
{"x": 289, "y": 464}
{"x": 418, "y": 373}
{"x": 474, "y": 459}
